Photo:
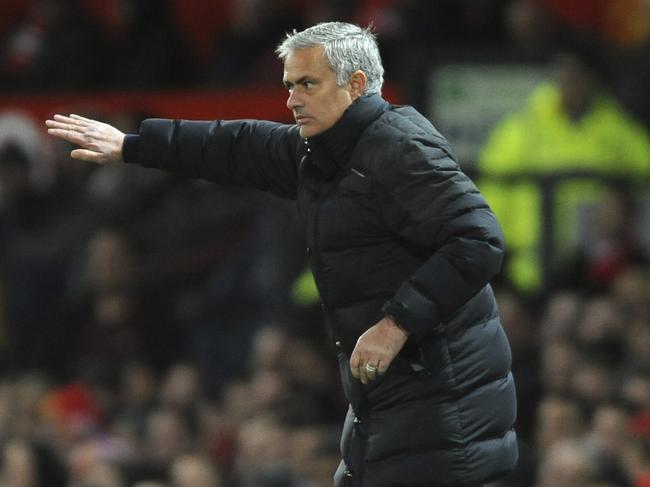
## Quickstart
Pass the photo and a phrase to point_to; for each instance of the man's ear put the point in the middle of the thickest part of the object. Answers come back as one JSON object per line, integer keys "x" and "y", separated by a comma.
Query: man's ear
{"x": 358, "y": 82}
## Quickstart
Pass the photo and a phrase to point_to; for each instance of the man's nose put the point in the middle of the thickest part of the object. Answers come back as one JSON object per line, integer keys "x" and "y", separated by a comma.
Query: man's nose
{"x": 294, "y": 100}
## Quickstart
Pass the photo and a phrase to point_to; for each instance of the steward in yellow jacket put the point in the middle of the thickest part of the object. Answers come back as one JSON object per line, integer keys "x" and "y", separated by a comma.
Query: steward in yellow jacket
{"x": 566, "y": 126}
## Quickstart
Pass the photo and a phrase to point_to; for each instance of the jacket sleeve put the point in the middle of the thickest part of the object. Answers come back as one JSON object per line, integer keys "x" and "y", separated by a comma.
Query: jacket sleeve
{"x": 250, "y": 153}
{"x": 435, "y": 207}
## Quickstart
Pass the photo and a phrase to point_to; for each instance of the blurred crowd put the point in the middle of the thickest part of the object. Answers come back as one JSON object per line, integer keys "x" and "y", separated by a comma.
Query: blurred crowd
{"x": 71, "y": 45}
{"x": 161, "y": 332}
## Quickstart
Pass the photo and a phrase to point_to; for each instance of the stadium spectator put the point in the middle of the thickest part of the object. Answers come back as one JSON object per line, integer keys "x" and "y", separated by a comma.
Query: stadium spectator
{"x": 567, "y": 125}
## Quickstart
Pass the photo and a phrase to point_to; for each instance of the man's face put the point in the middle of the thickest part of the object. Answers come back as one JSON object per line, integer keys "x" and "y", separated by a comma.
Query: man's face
{"x": 315, "y": 99}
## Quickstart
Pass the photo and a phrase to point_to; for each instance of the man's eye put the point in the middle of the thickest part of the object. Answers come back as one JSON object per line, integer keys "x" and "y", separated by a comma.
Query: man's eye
{"x": 308, "y": 84}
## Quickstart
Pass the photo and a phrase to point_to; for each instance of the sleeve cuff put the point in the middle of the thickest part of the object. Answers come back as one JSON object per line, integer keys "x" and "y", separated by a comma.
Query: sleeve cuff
{"x": 414, "y": 312}
{"x": 131, "y": 148}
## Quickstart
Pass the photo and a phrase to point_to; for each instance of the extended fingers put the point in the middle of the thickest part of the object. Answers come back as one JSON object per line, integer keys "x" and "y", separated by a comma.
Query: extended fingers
{"x": 58, "y": 126}
{"x": 73, "y": 130}
{"x": 67, "y": 134}
{"x": 74, "y": 119}
{"x": 70, "y": 121}
{"x": 98, "y": 142}
{"x": 83, "y": 120}
{"x": 73, "y": 122}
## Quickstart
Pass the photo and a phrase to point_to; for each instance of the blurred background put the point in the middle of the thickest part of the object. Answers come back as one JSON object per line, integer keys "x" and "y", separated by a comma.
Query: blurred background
{"x": 161, "y": 332}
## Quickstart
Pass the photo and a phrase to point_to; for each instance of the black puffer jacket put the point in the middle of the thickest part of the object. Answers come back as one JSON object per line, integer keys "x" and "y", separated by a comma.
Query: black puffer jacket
{"x": 392, "y": 226}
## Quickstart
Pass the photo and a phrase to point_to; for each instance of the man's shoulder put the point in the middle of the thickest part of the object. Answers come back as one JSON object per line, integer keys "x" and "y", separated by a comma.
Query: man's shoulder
{"x": 400, "y": 140}
{"x": 403, "y": 119}
{"x": 401, "y": 123}
{"x": 402, "y": 126}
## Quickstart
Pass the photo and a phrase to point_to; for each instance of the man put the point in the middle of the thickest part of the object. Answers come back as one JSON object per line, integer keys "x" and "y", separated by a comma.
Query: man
{"x": 401, "y": 244}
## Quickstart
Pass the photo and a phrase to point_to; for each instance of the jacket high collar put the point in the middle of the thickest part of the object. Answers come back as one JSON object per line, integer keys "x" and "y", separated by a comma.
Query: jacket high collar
{"x": 331, "y": 149}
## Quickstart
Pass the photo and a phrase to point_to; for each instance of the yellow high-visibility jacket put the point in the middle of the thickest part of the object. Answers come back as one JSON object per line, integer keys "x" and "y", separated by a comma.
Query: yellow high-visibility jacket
{"x": 542, "y": 139}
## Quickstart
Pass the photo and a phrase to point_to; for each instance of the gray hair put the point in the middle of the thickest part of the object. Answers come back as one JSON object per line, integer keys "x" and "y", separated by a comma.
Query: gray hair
{"x": 347, "y": 47}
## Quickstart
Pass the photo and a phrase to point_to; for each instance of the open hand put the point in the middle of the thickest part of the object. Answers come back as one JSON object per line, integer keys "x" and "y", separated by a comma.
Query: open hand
{"x": 99, "y": 142}
{"x": 376, "y": 349}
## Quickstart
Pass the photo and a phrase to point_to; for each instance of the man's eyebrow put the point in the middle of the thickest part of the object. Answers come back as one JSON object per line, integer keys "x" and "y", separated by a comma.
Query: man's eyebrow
{"x": 298, "y": 81}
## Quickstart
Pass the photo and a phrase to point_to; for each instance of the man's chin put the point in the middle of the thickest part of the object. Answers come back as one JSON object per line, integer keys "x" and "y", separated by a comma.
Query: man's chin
{"x": 306, "y": 131}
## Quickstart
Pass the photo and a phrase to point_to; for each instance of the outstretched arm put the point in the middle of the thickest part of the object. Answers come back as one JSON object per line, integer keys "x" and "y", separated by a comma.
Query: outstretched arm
{"x": 99, "y": 142}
